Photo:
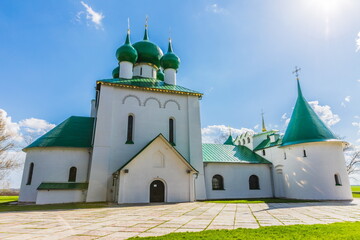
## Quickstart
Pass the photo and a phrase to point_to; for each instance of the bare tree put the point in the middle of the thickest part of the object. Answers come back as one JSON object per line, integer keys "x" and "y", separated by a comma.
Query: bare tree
{"x": 8, "y": 161}
{"x": 353, "y": 164}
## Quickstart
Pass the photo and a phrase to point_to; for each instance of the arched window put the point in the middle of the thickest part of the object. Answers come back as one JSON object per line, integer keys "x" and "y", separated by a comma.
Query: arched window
{"x": 337, "y": 180}
{"x": 217, "y": 182}
{"x": 304, "y": 151}
{"x": 263, "y": 152}
{"x": 284, "y": 155}
{"x": 243, "y": 141}
{"x": 248, "y": 140}
{"x": 254, "y": 182}
{"x": 130, "y": 129}
{"x": 140, "y": 71}
{"x": 171, "y": 131}
{"x": 72, "y": 174}
{"x": 31, "y": 170}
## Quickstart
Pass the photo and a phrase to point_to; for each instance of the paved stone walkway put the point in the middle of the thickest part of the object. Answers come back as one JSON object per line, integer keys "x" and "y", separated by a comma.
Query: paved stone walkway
{"x": 121, "y": 222}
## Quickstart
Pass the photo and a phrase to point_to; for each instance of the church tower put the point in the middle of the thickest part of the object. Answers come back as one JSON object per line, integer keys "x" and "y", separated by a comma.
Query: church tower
{"x": 314, "y": 164}
{"x": 147, "y": 134}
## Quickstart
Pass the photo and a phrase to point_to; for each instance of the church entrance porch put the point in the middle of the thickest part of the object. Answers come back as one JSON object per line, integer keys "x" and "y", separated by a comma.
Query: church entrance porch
{"x": 157, "y": 191}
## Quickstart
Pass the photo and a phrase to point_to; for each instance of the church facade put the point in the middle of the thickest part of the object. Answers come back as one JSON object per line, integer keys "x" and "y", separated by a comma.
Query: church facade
{"x": 142, "y": 143}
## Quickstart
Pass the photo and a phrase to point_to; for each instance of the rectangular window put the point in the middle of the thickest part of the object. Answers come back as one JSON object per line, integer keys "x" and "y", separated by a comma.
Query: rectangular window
{"x": 304, "y": 153}
{"x": 263, "y": 152}
{"x": 171, "y": 131}
{"x": 130, "y": 126}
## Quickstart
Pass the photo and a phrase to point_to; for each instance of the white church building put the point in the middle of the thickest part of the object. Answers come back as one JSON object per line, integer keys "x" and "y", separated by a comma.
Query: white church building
{"x": 142, "y": 143}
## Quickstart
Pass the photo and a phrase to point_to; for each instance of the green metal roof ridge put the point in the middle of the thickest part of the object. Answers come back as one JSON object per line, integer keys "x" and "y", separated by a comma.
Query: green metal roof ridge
{"x": 149, "y": 84}
{"x": 220, "y": 153}
{"x": 63, "y": 186}
{"x": 267, "y": 132}
{"x": 305, "y": 125}
{"x": 74, "y": 132}
{"x": 267, "y": 144}
{"x": 160, "y": 135}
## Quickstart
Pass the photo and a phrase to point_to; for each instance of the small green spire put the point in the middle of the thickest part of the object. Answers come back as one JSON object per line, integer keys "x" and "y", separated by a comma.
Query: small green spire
{"x": 146, "y": 36}
{"x": 299, "y": 88}
{"x": 170, "y": 46}
{"x": 229, "y": 141}
{"x": 127, "y": 41}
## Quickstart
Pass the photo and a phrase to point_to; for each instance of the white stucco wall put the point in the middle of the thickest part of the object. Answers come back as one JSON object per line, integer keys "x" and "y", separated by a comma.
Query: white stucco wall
{"x": 60, "y": 196}
{"x": 156, "y": 162}
{"x": 144, "y": 70}
{"x": 52, "y": 165}
{"x": 170, "y": 76}
{"x": 151, "y": 111}
{"x": 126, "y": 70}
{"x": 312, "y": 177}
{"x": 236, "y": 180}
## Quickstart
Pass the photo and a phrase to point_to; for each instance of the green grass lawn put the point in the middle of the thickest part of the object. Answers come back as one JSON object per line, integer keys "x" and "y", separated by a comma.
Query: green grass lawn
{"x": 345, "y": 230}
{"x": 6, "y": 207}
{"x": 5, "y": 199}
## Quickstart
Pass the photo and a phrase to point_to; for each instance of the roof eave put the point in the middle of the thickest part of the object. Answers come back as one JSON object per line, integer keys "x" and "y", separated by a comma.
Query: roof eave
{"x": 310, "y": 141}
{"x": 199, "y": 95}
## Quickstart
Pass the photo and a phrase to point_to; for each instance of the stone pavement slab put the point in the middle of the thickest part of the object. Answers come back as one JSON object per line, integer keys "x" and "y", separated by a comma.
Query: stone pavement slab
{"x": 125, "y": 221}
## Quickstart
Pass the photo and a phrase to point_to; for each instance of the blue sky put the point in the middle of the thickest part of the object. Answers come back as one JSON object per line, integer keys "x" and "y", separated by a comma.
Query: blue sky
{"x": 240, "y": 54}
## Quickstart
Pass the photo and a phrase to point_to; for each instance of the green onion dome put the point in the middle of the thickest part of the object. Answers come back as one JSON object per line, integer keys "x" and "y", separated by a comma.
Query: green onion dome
{"x": 115, "y": 72}
{"x": 127, "y": 52}
{"x": 160, "y": 75}
{"x": 148, "y": 52}
{"x": 170, "y": 60}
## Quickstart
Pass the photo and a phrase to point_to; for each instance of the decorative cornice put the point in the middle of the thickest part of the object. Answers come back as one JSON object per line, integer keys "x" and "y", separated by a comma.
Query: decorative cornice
{"x": 149, "y": 89}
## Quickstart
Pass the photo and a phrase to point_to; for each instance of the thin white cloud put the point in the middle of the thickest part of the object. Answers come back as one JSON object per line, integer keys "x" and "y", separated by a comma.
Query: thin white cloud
{"x": 325, "y": 113}
{"x": 215, "y": 8}
{"x": 91, "y": 15}
{"x": 347, "y": 98}
{"x": 27, "y": 130}
{"x": 358, "y": 43}
{"x": 22, "y": 133}
{"x": 219, "y": 133}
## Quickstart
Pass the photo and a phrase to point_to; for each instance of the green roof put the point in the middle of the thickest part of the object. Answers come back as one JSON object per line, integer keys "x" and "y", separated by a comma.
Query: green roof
{"x": 266, "y": 144}
{"x": 221, "y": 153}
{"x": 305, "y": 126}
{"x": 229, "y": 141}
{"x": 149, "y": 84}
{"x": 170, "y": 60}
{"x": 62, "y": 186}
{"x": 73, "y": 132}
{"x": 148, "y": 52}
{"x": 127, "y": 52}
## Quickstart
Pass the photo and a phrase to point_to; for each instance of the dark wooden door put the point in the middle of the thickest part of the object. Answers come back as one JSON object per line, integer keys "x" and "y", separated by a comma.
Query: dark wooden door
{"x": 157, "y": 191}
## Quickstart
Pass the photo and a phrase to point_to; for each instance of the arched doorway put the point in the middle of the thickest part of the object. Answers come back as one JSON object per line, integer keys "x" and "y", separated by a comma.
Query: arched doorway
{"x": 157, "y": 191}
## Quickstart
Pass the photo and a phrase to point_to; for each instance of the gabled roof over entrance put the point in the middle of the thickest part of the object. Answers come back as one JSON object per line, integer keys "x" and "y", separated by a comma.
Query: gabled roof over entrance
{"x": 73, "y": 132}
{"x": 305, "y": 126}
{"x": 160, "y": 136}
